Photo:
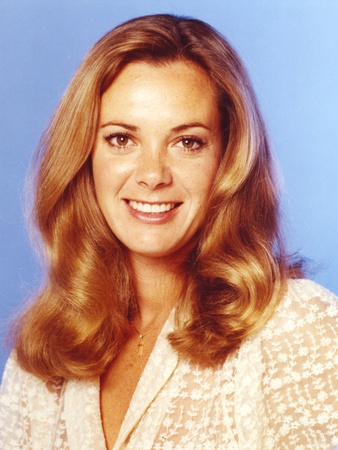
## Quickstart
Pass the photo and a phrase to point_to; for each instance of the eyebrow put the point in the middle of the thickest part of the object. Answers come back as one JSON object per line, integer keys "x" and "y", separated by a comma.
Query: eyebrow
{"x": 120, "y": 124}
{"x": 175, "y": 129}
{"x": 190, "y": 125}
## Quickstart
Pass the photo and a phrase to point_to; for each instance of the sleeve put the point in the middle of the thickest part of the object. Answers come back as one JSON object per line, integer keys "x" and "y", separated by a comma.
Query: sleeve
{"x": 28, "y": 409}
{"x": 14, "y": 423}
{"x": 300, "y": 382}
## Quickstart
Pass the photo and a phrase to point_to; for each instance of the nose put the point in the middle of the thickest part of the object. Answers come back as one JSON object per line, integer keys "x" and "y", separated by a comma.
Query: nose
{"x": 153, "y": 170}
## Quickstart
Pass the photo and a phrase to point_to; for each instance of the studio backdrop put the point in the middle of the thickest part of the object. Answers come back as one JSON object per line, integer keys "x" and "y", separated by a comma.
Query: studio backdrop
{"x": 290, "y": 48}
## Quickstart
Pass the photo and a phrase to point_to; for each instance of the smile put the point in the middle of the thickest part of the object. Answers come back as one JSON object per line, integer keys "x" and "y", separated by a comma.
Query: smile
{"x": 151, "y": 208}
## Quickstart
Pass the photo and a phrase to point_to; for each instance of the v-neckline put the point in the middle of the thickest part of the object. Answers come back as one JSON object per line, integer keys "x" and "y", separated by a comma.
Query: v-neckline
{"x": 82, "y": 398}
{"x": 158, "y": 369}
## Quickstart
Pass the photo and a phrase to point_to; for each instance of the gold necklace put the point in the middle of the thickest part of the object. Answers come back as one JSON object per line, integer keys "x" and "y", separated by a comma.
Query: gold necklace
{"x": 141, "y": 336}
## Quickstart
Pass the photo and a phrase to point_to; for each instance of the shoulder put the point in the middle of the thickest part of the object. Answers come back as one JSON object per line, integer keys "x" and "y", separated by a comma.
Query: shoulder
{"x": 304, "y": 326}
{"x": 17, "y": 381}
{"x": 299, "y": 353}
{"x": 302, "y": 289}
{"x": 28, "y": 406}
{"x": 305, "y": 303}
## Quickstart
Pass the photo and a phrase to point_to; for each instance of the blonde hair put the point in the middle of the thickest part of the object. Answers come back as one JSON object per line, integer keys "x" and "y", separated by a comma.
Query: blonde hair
{"x": 236, "y": 273}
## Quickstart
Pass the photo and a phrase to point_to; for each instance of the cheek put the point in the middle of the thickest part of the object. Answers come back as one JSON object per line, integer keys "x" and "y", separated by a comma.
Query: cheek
{"x": 202, "y": 180}
{"x": 101, "y": 180}
{"x": 108, "y": 176}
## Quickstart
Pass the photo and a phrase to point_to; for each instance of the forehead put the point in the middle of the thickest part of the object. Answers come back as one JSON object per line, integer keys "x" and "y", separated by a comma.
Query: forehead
{"x": 179, "y": 86}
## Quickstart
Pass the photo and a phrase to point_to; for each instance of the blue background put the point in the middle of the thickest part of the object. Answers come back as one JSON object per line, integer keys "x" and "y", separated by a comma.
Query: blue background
{"x": 290, "y": 48}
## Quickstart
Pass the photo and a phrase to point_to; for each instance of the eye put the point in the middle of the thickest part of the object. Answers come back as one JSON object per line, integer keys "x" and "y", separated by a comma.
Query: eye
{"x": 118, "y": 139}
{"x": 190, "y": 143}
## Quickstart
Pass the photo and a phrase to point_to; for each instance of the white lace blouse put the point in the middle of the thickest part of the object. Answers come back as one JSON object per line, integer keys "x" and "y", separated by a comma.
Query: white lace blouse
{"x": 278, "y": 391}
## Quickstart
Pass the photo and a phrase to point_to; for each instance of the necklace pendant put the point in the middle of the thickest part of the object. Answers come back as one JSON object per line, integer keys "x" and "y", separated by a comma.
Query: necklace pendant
{"x": 140, "y": 346}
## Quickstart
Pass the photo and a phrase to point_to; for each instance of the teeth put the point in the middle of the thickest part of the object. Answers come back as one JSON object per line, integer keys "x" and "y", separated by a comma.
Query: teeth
{"x": 151, "y": 208}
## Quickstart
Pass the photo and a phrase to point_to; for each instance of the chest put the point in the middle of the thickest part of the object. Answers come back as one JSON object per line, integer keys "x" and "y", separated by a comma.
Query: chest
{"x": 172, "y": 404}
{"x": 118, "y": 384}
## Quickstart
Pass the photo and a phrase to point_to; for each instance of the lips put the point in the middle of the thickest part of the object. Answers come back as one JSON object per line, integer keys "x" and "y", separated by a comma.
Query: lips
{"x": 151, "y": 208}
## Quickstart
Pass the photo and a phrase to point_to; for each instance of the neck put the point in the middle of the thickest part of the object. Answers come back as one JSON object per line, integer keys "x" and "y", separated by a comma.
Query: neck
{"x": 159, "y": 284}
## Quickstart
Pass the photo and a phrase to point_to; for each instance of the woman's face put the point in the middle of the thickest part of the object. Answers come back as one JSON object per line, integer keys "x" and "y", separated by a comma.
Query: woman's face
{"x": 156, "y": 155}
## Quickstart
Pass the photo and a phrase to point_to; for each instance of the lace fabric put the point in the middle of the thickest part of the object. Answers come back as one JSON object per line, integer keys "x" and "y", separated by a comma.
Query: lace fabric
{"x": 278, "y": 391}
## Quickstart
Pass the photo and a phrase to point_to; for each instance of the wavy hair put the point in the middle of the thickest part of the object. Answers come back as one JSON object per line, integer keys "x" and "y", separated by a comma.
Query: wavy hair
{"x": 237, "y": 270}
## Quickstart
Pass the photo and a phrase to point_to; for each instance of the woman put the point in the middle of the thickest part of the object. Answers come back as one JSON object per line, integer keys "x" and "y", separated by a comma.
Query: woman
{"x": 171, "y": 316}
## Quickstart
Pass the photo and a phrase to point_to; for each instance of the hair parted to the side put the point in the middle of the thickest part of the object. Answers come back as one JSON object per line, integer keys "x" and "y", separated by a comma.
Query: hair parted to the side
{"x": 237, "y": 270}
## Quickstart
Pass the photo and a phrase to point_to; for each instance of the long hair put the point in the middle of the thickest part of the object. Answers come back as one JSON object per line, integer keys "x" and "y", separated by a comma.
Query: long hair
{"x": 236, "y": 272}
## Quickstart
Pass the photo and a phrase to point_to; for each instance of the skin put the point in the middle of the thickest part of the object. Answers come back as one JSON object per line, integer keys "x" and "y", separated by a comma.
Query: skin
{"x": 155, "y": 159}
